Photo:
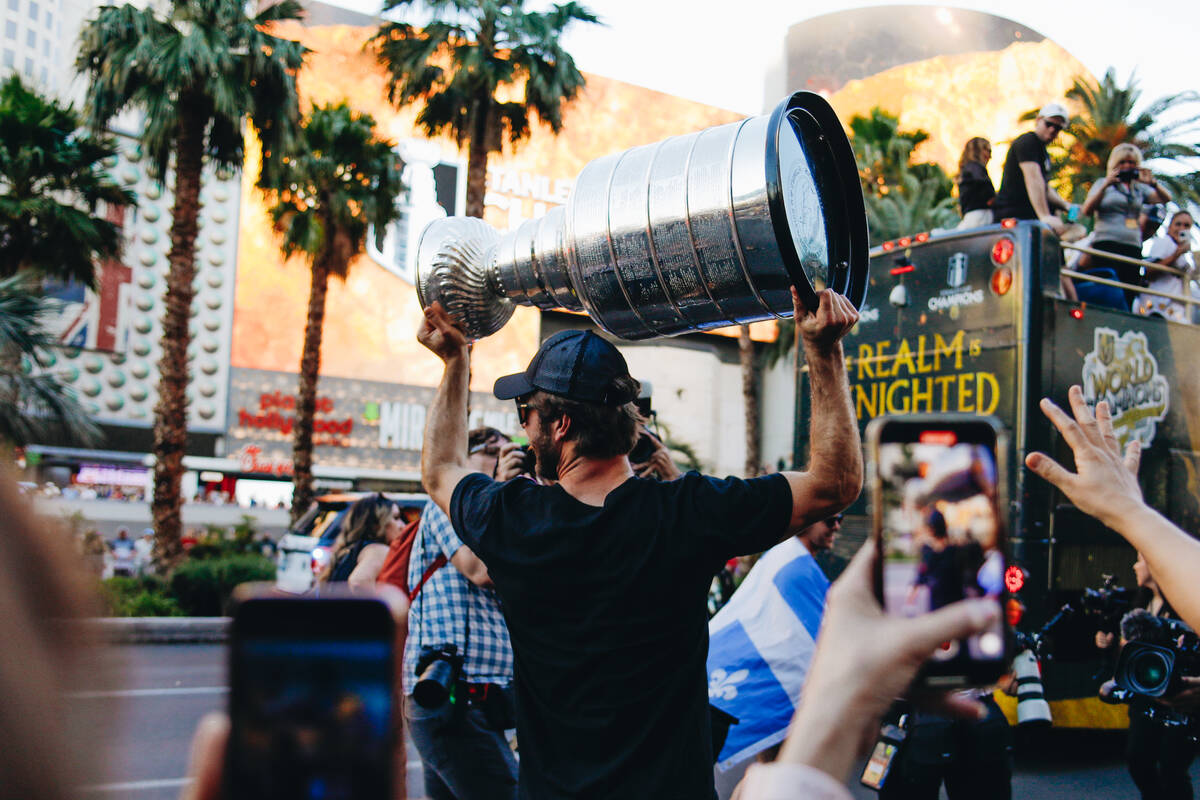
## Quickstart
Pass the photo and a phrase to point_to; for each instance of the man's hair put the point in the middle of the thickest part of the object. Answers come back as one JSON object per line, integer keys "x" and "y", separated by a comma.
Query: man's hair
{"x": 598, "y": 431}
{"x": 478, "y": 436}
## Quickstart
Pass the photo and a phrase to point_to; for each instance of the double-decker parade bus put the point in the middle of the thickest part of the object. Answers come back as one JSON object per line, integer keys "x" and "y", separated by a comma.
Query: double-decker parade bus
{"x": 976, "y": 321}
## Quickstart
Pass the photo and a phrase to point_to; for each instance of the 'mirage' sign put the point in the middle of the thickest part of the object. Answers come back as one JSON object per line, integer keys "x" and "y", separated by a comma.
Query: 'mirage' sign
{"x": 691, "y": 233}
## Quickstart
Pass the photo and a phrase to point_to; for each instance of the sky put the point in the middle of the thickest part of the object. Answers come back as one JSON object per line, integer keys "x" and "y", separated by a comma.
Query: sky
{"x": 700, "y": 51}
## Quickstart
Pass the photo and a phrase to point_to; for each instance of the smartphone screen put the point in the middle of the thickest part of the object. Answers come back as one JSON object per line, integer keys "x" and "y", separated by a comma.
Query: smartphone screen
{"x": 938, "y": 504}
{"x": 311, "y": 700}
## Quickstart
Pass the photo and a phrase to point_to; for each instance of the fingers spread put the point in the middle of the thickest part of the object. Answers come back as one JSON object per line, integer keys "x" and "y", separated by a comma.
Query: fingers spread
{"x": 1083, "y": 415}
{"x": 1049, "y": 469}
{"x": 1066, "y": 426}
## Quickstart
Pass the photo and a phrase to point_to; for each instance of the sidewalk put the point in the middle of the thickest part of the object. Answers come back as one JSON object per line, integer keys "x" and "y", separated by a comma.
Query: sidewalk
{"x": 160, "y": 630}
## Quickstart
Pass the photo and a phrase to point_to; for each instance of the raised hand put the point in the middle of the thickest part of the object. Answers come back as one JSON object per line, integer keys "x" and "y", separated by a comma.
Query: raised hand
{"x": 1104, "y": 484}
{"x": 440, "y": 335}
{"x": 825, "y": 327}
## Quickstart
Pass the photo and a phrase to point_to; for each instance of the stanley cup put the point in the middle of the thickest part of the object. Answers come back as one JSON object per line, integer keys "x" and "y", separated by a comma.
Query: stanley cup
{"x": 688, "y": 234}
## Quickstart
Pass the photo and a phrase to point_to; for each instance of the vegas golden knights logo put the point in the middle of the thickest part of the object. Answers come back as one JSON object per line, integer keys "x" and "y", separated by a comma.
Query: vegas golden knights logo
{"x": 1122, "y": 371}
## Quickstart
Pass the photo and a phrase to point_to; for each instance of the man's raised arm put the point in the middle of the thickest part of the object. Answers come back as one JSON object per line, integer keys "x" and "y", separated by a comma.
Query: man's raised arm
{"x": 834, "y": 475}
{"x": 443, "y": 455}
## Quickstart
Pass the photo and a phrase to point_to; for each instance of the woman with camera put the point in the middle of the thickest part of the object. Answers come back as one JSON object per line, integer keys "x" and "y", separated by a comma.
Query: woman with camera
{"x": 1117, "y": 204}
{"x": 1161, "y": 746}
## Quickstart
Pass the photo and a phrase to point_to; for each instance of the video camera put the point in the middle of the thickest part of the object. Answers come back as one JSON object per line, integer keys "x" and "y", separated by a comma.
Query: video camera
{"x": 1106, "y": 605}
{"x": 1157, "y": 654}
{"x": 1070, "y": 634}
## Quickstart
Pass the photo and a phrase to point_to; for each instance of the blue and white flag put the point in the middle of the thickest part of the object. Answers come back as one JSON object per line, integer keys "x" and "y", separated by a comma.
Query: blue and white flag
{"x": 760, "y": 646}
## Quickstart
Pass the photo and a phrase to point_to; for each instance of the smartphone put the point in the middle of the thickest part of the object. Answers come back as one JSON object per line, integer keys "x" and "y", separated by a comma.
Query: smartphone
{"x": 311, "y": 699}
{"x": 938, "y": 517}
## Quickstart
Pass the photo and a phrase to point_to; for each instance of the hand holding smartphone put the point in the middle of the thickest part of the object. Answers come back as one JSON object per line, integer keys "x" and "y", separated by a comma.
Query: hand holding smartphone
{"x": 312, "y": 700}
{"x": 938, "y": 520}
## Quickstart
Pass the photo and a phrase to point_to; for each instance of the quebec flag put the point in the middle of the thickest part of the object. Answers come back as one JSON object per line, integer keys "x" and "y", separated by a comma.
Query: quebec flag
{"x": 760, "y": 646}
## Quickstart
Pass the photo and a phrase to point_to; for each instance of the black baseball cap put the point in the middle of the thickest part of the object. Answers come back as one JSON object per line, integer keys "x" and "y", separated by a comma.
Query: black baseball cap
{"x": 577, "y": 365}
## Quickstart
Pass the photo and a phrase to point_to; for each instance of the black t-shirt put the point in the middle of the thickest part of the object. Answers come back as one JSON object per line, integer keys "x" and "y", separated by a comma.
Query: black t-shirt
{"x": 1013, "y": 198}
{"x": 975, "y": 190}
{"x": 606, "y": 610}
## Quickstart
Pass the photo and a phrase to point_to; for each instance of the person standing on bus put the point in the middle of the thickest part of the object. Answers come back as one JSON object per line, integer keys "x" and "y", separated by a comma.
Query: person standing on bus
{"x": 1172, "y": 250}
{"x": 975, "y": 190}
{"x": 1024, "y": 191}
{"x": 1117, "y": 203}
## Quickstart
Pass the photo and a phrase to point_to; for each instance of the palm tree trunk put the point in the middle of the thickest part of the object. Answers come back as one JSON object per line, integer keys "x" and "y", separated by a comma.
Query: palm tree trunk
{"x": 477, "y": 161}
{"x": 306, "y": 401}
{"x": 170, "y": 415}
{"x": 750, "y": 401}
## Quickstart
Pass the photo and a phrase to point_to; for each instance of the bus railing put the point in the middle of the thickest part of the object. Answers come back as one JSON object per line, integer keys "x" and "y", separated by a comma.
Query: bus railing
{"x": 1187, "y": 300}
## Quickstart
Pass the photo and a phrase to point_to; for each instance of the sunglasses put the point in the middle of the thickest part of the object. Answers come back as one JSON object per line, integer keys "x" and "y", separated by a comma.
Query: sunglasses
{"x": 836, "y": 518}
{"x": 489, "y": 448}
{"x": 523, "y": 406}
{"x": 1054, "y": 126}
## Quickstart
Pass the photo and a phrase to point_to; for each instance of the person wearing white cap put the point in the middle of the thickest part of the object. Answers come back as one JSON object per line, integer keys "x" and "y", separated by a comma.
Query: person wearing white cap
{"x": 1024, "y": 191}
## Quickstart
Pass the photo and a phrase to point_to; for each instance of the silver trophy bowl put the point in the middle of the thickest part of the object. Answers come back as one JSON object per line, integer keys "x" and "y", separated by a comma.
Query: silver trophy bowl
{"x": 688, "y": 234}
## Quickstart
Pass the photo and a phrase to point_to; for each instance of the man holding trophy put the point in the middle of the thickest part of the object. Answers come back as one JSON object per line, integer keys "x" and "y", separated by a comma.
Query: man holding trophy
{"x": 603, "y": 576}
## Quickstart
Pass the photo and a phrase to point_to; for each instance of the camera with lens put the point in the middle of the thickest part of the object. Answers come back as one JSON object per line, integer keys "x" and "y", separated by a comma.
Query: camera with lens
{"x": 438, "y": 670}
{"x": 1070, "y": 635}
{"x": 644, "y": 449}
{"x": 528, "y": 460}
{"x": 1157, "y": 654}
{"x": 1106, "y": 605}
{"x": 1127, "y": 175}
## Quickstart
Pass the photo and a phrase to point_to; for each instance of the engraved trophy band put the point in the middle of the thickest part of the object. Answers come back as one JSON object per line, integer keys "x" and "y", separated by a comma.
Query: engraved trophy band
{"x": 691, "y": 233}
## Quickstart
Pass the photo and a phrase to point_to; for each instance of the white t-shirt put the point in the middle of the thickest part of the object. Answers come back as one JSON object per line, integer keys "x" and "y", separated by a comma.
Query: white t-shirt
{"x": 1147, "y": 304}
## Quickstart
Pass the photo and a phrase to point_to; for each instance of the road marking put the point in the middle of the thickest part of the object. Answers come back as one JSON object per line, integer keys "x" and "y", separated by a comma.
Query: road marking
{"x": 137, "y": 786}
{"x": 148, "y": 692}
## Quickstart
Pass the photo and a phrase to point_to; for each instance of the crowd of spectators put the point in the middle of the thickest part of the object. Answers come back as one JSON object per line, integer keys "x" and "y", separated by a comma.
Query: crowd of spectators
{"x": 1125, "y": 209}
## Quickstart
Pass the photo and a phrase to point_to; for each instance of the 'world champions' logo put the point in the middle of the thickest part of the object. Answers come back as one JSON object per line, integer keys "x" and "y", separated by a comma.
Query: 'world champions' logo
{"x": 1122, "y": 371}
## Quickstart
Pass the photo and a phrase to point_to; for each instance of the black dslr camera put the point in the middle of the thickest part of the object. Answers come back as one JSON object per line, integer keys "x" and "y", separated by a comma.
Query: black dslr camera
{"x": 1070, "y": 635}
{"x": 1106, "y": 605}
{"x": 1157, "y": 654}
{"x": 438, "y": 670}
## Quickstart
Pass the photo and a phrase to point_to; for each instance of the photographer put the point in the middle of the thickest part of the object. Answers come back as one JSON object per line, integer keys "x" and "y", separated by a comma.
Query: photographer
{"x": 604, "y": 575}
{"x": 1117, "y": 203}
{"x": 461, "y": 742}
{"x": 1161, "y": 744}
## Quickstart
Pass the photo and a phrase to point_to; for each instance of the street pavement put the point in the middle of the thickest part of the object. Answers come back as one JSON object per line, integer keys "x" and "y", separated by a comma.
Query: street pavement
{"x": 144, "y": 701}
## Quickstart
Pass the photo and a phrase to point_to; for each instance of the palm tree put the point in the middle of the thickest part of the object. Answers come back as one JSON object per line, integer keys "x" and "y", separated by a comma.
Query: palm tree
{"x": 749, "y": 364}
{"x": 198, "y": 71}
{"x": 33, "y": 402}
{"x": 457, "y": 65}
{"x": 913, "y": 205}
{"x": 341, "y": 179}
{"x": 881, "y": 149}
{"x": 51, "y": 186}
{"x": 1108, "y": 118}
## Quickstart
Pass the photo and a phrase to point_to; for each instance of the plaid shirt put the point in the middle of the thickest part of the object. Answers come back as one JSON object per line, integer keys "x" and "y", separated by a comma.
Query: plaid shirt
{"x": 439, "y": 613}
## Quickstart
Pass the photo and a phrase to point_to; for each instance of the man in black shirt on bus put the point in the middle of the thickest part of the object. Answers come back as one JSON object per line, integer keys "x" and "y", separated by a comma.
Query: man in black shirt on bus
{"x": 603, "y": 576}
{"x": 1024, "y": 190}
